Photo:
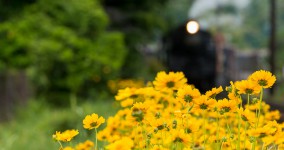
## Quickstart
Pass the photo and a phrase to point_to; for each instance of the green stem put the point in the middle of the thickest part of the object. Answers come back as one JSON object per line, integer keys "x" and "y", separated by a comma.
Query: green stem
{"x": 258, "y": 115}
{"x": 96, "y": 139}
{"x": 260, "y": 101}
{"x": 230, "y": 132}
{"x": 239, "y": 132}
{"x": 218, "y": 129}
{"x": 204, "y": 130}
{"x": 61, "y": 147}
{"x": 246, "y": 128}
{"x": 248, "y": 100}
{"x": 192, "y": 136}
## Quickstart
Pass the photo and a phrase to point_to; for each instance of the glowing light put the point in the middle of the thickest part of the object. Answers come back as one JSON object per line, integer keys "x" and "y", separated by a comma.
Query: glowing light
{"x": 192, "y": 27}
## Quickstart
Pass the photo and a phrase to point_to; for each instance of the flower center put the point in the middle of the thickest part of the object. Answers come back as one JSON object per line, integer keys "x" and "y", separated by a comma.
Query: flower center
{"x": 93, "y": 124}
{"x": 188, "y": 130}
{"x": 262, "y": 82}
{"x": 170, "y": 84}
{"x": 203, "y": 106}
{"x": 187, "y": 98}
{"x": 244, "y": 118}
{"x": 248, "y": 91}
{"x": 178, "y": 139}
{"x": 226, "y": 109}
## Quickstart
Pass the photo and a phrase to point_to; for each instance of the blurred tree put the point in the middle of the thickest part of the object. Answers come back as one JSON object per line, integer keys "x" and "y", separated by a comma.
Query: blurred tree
{"x": 177, "y": 12}
{"x": 279, "y": 36}
{"x": 74, "y": 47}
{"x": 144, "y": 22}
{"x": 65, "y": 47}
{"x": 254, "y": 30}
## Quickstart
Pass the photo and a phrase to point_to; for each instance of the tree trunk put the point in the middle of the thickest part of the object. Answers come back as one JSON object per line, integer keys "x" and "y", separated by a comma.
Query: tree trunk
{"x": 272, "y": 39}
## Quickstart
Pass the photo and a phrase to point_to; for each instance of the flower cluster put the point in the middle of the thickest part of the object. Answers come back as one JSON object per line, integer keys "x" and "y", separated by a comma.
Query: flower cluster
{"x": 171, "y": 114}
{"x": 90, "y": 122}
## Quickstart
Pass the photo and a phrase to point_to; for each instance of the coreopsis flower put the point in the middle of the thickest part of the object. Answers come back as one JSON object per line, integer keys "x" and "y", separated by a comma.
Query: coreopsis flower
{"x": 157, "y": 139}
{"x": 263, "y": 78}
{"x": 158, "y": 147}
{"x": 124, "y": 143}
{"x": 226, "y": 105}
{"x": 233, "y": 93}
{"x": 191, "y": 126}
{"x": 259, "y": 132}
{"x": 127, "y": 102}
{"x": 127, "y": 96}
{"x": 247, "y": 87}
{"x": 179, "y": 136}
{"x": 172, "y": 80}
{"x": 247, "y": 115}
{"x": 186, "y": 94}
{"x": 265, "y": 107}
{"x": 65, "y": 136}
{"x": 204, "y": 103}
{"x": 157, "y": 124}
{"x": 103, "y": 135}
{"x": 213, "y": 92}
{"x": 93, "y": 121}
{"x": 272, "y": 115}
{"x": 138, "y": 111}
{"x": 87, "y": 145}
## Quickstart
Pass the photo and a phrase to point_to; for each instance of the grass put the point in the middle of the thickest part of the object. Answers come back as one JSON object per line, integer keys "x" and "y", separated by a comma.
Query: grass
{"x": 33, "y": 126}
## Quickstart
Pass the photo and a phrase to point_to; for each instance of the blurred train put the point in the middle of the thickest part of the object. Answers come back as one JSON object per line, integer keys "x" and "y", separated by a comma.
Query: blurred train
{"x": 192, "y": 51}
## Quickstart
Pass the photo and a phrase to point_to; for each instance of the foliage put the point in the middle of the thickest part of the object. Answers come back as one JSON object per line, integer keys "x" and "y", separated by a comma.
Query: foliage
{"x": 256, "y": 31}
{"x": 143, "y": 23}
{"x": 65, "y": 46}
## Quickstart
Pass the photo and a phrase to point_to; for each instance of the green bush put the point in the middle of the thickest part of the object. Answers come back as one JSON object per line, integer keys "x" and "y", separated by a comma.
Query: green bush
{"x": 64, "y": 46}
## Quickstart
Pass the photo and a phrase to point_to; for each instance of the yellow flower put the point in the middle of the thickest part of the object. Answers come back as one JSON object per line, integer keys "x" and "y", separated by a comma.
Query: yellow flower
{"x": 65, "y": 136}
{"x": 92, "y": 121}
{"x": 126, "y": 103}
{"x": 213, "y": 92}
{"x": 272, "y": 115}
{"x": 187, "y": 94}
{"x": 169, "y": 81}
{"x": 273, "y": 127}
{"x": 158, "y": 147}
{"x": 127, "y": 96}
{"x": 87, "y": 145}
{"x": 179, "y": 136}
{"x": 247, "y": 115}
{"x": 124, "y": 143}
{"x": 263, "y": 78}
{"x": 126, "y": 93}
{"x": 233, "y": 93}
{"x": 204, "y": 103}
{"x": 191, "y": 126}
{"x": 103, "y": 135}
{"x": 157, "y": 124}
{"x": 226, "y": 105}
{"x": 247, "y": 87}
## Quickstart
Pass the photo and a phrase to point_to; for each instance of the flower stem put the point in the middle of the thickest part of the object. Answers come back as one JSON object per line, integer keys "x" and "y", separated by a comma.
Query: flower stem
{"x": 96, "y": 139}
{"x": 239, "y": 132}
{"x": 204, "y": 130}
{"x": 61, "y": 147}
{"x": 218, "y": 129}
{"x": 248, "y": 100}
{"x": 259, "y": 110}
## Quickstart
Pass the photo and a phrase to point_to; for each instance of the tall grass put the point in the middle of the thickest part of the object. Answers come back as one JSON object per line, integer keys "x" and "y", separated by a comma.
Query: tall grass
{"x": 33, "y": 125}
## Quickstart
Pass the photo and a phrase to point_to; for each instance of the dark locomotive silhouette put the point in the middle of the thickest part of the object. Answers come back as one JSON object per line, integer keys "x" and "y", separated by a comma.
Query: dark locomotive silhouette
{"x": 194, "y": 54}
